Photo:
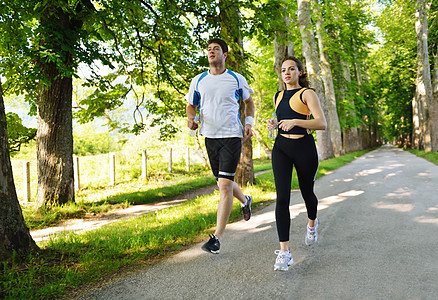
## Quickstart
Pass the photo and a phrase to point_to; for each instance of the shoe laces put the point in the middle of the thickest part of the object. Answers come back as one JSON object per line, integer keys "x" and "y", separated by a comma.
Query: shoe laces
{"x": 311, "y": 230}
{"x": 283, "y": 256}
{"x": 213, "y": 239}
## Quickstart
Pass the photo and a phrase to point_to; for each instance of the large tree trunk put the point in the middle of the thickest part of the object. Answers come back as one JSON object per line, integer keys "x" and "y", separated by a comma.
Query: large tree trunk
{"x": 14, "y": 234}
{"x": 230, "y": 32}
{"x": 434, "y": 107}
{"x": 310, "y": 52}
{"x": 283, "y": 46}
{"x": 327, "y": 78}
{"x": 55, "y": 133}
{"x": 423, "y": 92}
{"x": 55, "y": 142}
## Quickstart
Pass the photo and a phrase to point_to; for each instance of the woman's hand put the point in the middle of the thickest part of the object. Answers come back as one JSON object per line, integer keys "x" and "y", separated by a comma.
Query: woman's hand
{"x": 269, "y": 124}
{"x": 286, "y": 125}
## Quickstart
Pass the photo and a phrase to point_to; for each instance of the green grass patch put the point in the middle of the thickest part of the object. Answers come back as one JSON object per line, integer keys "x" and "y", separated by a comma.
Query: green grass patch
{"x": 431, "y": 156}
{"x": 71, "y": 261}
{"x": 104, "y": 199}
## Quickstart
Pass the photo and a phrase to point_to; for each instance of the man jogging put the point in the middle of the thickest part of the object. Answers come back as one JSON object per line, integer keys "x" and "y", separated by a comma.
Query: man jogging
{"x": 216, "y": 92}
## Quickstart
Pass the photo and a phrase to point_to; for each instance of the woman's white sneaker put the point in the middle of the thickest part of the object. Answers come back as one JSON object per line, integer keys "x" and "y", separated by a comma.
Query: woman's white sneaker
{"x": 283, "y": 261}
{"x": 312, "y": 234}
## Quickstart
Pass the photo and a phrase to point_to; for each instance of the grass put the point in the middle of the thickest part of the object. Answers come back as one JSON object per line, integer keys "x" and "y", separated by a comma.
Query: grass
{"x": 104, "y": 199}
{"x": 71, "y": 262}
{"x": 430, "y": 156}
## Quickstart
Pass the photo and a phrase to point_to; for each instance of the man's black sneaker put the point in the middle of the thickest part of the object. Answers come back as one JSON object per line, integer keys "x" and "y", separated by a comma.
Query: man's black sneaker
{"x": 246, "y": 210}
{"x": 213, "y": 245}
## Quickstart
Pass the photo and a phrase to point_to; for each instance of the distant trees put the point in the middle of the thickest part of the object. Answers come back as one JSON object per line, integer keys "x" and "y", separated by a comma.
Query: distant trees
{"x": 18, "y": 134}
{"x": 404, "y": 72}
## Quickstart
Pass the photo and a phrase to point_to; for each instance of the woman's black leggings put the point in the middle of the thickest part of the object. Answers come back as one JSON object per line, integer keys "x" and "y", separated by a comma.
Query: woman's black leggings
{"x": 302, "y": 154}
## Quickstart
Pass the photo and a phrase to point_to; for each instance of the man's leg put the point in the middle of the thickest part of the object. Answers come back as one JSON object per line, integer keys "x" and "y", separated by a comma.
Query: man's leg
{"x": 226, "y": 189}
{"x": 237, "y": 192}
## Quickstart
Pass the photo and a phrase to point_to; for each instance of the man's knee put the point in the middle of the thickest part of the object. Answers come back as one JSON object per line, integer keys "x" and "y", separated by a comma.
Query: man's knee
{"x": 225, "y": 185}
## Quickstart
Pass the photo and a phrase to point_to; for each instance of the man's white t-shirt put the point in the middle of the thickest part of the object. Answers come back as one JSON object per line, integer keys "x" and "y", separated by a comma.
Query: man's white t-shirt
{"x": 219, "y": 103}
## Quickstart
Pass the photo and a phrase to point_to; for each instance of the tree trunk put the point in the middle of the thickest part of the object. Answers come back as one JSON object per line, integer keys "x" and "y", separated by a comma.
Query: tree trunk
{"x": 434, "y": 107}
{"x": 55, "y": 142}
{"x": 283, "y": 46}
{"x": 14, "y": 234}
{"x": 54, "y": 101}
{"x": 423, "y": 92}
{"x": 351, "y": 139}
{"x": 364, "y": 131}
{"x": 230, "y": 32}
{"x": 310, "y": 52}
{"x": 327, "y": 78}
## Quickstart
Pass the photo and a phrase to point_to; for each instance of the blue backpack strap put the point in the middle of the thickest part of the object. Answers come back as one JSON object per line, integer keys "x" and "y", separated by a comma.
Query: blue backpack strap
{"x": 197, "y": 95}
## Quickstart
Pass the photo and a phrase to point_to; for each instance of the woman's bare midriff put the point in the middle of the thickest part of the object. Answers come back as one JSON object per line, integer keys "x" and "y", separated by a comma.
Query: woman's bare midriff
{"x": 292, "y": 136}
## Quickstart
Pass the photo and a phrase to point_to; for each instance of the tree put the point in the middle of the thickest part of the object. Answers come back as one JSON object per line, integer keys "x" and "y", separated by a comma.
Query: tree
{"x": 14, "y": 234}
{"x": 46, "y": 41}
{"x": 44, "y": 48}
{"x": 329, "y": 91}
{"x": 310, "y": 52}
{"x": 283, "y": 45}
{"x": 348, "y": 42}
{"x": 423, "y": 94}
{"x": 434, "y": 107}
{"x": 433, "y": 50}
{"x": 391, "y": 74}
{"x": 230, "y": 31}
{"x": 60, "y": 28}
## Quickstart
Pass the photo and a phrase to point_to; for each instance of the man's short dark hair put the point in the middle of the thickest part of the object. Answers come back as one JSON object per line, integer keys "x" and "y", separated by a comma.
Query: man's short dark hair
{"x": 220, "y": 42}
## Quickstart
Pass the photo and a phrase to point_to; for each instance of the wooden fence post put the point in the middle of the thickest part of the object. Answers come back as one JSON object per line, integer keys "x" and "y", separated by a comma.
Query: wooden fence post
{"x": 144, "y": 164}
{"x": 170, "y": 160}
{"x": 112, "y": 169}
{"x": 76, "y": 173}
{"x": 26, "y": 175}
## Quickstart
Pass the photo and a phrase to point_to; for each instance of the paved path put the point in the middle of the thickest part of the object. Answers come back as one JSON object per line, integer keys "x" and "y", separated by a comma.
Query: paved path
{"x": 378, "y": 239}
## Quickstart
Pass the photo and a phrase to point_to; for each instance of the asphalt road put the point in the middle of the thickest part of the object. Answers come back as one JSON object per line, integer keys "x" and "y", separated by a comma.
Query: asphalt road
{"x": 378, "y": 239}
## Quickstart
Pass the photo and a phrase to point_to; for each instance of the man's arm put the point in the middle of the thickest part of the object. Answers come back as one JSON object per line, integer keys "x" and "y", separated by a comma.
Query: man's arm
{"x": 191, "y": 113}
{"x": 249, "y": 115}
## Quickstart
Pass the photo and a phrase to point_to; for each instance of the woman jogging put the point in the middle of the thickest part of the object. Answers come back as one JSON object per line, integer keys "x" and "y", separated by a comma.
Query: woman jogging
{"x": 295, "y": 146}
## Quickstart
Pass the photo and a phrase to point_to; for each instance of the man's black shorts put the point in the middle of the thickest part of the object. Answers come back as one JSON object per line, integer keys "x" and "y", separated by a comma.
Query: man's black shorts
{"x": 224, "y": 155}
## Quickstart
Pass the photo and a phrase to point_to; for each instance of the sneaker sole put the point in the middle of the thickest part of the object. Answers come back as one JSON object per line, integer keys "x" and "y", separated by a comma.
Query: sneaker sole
{"x": 282, "y": 268}
{"x": 211, "y": 251}
{"x": 278, "y": 268}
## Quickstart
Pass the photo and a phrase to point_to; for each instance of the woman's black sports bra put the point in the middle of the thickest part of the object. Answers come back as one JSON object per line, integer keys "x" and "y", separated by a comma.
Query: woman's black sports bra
{"x": 289, "y": 105}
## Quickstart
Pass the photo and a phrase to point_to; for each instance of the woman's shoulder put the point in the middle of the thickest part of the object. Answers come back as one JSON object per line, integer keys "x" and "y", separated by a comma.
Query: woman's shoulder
{"x": 309, "y": 92}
